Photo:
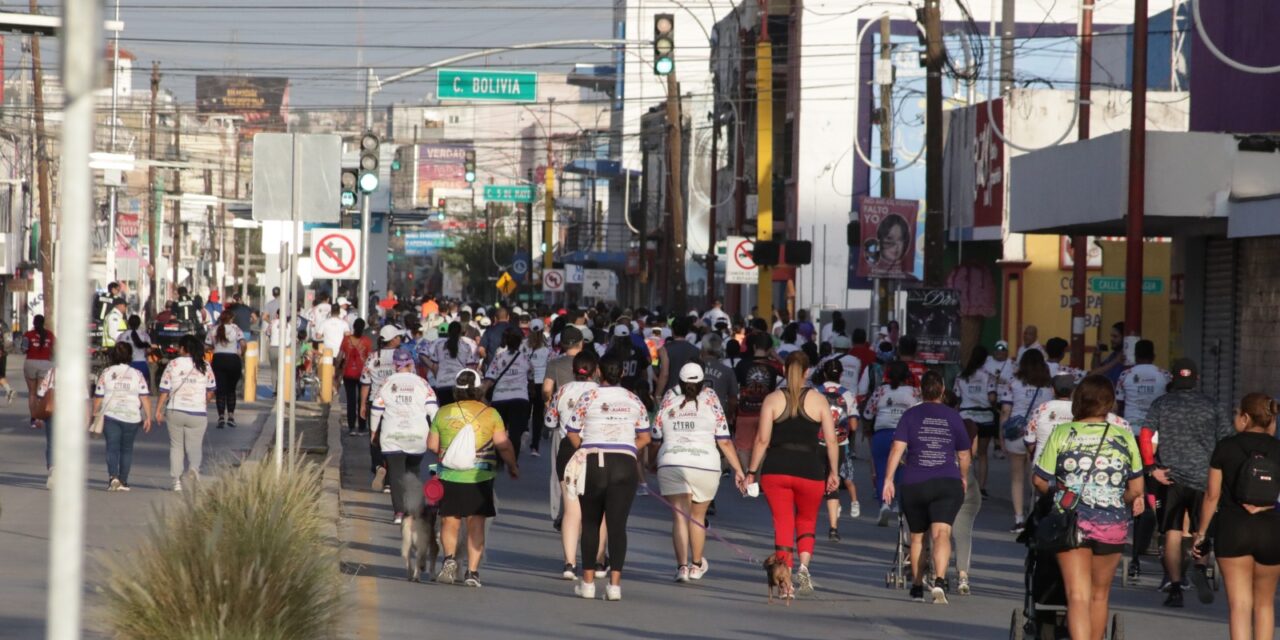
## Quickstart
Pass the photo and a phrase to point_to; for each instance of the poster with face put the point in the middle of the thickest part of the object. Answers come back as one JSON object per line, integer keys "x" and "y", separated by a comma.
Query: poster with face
{"x": 888, "y": 237}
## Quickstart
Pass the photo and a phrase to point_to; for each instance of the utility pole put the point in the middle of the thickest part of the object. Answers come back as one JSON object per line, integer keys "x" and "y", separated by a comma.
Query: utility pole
{"x": 675, "y": 147}
{"x": 1137, "y": 176}
{"x": 887, "y": 177}
{"x": 112, "y": 191}
{"x": 1008, "y": 29}
{"x": 715, "y": 200}
{"x": 42, "y": 180}
{"x": 152, "y": 231}
{"x": 177, "y": 204}
{"x": 528, "y": 213}
{"x": 734, "y": 291}
{"x": 934, "y": 229}
{"x": 1079, "y": 243}
{"x": 549, "y": 213}
{"x": 764, "y": 158}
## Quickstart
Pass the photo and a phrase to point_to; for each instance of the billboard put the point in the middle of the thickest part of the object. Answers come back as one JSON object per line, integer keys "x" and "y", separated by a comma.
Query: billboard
{"x": 933, "y": 319}
{"x": 262, "y": 102}
{"x": 888, "y": 237}
{"x": 429, "y": 172}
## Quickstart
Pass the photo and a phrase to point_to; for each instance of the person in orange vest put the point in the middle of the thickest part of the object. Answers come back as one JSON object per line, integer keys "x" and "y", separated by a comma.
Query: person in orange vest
{"x": 430, "y": 306}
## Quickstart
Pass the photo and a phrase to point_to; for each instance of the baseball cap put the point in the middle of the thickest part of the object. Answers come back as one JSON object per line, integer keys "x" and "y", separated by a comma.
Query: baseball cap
{"x": 621, "y": 331}
{"x": 587, "y": 335}
{"x": 483, "y": 320}
{"x": 570, "y": 336}
{"x": 344, "y": 302}
{"x": 536, "y": 324}
{"x": 1002, "y": 345}
{"x": 1064, "y": 384}
{"x": 691, "y": 372}
{"x": 390, "y": 332}
{"x": 403, "y": 357}
{"x": 1185, "y": 373}
{"x": 841, "y": 342}
{"x": 476, "y": 381}
{"x": 119, "y": 301}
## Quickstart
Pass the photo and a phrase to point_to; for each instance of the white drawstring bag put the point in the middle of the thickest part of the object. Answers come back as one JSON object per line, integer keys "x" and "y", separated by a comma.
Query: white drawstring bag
{"x": 461, "y": 454}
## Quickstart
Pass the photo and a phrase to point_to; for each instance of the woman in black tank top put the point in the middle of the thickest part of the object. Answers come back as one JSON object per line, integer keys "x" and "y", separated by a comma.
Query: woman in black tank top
{"x": 786, "y": 461}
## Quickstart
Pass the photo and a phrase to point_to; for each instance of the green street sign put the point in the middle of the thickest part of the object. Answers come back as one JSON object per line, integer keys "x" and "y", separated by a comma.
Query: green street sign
{"x": 519, "y": 193}
{"x": 493, "y": 86}
{"x": 1108, "y": 284}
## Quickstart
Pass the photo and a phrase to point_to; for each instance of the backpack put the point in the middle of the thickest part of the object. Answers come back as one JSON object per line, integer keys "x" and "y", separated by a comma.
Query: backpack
{"x": 461, "y": 454}
{"x": 1258, "y": 481}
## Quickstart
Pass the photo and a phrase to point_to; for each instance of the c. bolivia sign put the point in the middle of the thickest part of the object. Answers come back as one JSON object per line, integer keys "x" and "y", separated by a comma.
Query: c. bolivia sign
{"x": 493, "y": 86}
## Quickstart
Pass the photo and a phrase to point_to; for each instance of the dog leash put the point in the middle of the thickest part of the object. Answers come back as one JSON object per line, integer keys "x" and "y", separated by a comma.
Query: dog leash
{"x": 737, "y": 550}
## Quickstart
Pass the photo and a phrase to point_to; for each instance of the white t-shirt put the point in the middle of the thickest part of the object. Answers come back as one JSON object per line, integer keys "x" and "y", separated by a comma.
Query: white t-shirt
{"x": 1020, "y": 396}
{"x": 1044, "y": 420}
{"x": 377, "y": 369}
{"x": 888, "y": 404}
{"x": 188, "y": 389}
{"x": 1024, "y": 349}
{"x": 448, "y": 366}
{"x": 332, "y": 331}
{"x": 402, "y": 411}
{"x": 714, "y": 315}
{"x": 609, "y": 418}
{"x": 139, "y": 353}
{"x": 230, "y": 345}
{"x": 564, "y": 402}
{"x": 514, "y": 384}
{"x": 121, "y": 388}
{"x": 975, "y": 396}
{"x": 1057, "y": 368}
{"x": 538, "y": 359}
{"x": 689, "y": 431}
{"x": 1002, "y": 372}
{"x": 1139, "y": 386}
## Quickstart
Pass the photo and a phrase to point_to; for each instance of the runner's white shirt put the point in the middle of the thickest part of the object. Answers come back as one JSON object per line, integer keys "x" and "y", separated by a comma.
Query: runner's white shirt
{"x": 975, "y": 396}
{"x": 538, "y": 359}
{"x": 1139, "y": 386}
{"x": 402, "y": 412}
{"x": 377, "y": 369}
{"x": 564, "y": 402}
{"x": 1052, "y": 414}
{"x": 609, "y": 418}
{"x": 448, "y": 366}
{"x": 188, "y": 389}
{"x": 887, "y": 405}
{"x": 1001, "y": 372}
{"x": 851, "y": 376}
{"x": 514, "y": 384}
{"x": 332, "y": 331}
{"x": 121, "y": 388}
{"x": 1020, "y": 395}
{"x": 1057, "y": 368}
{"x": 231, "y": 345}
{"x": 689, "y": 430}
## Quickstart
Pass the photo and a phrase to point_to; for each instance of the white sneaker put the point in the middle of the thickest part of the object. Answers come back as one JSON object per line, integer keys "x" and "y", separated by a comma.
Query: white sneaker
{"x": 804, "y": 583}
{"x": 613, "y": 593}
{"x": 177, "y": 486}
{"x": 855, "y": 511}
{"x": 885, "y": 513}
{"x": 682, "y": 573}
{"x": 585, "y": 590}
{"x": 642, "y": 490}
{"x": 698, "y": 570}
{"x": 114, "y": 485}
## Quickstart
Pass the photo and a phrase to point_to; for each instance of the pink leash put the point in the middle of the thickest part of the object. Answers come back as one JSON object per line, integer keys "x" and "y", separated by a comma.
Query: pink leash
{"x": 737, "y": 550}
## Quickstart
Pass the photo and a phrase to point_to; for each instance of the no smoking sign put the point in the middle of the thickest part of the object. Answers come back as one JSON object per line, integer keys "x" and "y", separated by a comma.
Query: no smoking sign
{"x": 336, "y": 254}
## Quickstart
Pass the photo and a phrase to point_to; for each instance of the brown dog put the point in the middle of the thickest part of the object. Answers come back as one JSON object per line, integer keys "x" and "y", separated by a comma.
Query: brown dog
{"x": 778, "y": 577}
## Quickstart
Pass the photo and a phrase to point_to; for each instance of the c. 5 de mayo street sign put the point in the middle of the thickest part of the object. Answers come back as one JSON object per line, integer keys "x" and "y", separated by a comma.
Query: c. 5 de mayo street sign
{"x": 518, "y": 193}
{"x": 494, "y": 86}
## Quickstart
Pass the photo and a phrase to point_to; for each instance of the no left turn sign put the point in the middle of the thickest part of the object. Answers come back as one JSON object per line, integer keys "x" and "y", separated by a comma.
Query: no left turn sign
{"x": 553, "y": 280}
{"x": 336, "y": 254}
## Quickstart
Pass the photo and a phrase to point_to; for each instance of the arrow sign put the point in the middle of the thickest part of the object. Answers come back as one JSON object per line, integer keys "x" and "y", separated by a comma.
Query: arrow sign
{"x": 335, "y": 253}
{"x": 553, "y": 280}
{"x": 598, "y": 283}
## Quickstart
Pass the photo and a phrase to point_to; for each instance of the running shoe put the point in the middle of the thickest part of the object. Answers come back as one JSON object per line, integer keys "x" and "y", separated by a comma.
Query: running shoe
{"x": 698, "y": 570}
{"x": 222, "y": 423}
{"x": 585, "y": 590}
{"x": 833, "y": 534}
{"x": 399, "y": 517}
{"x": 1174, "y": 600}
{"x": 231, "y": 422}
{"x": 557, "y": 523}
{"x": 885, "y": 513}
{"x": 534, "y": 453}
{"x": 1135, "y": 571}
{"x": 177, "y": 486}
{"x": 449, "y": 572}
{"x": 8, "y": 395}
{"x": 1018, "y": 526}
{"x": 125, "y": 488}
{"x": 386, "y": 488}
{"x": 939, "y": 590}
{"x": 473, "y": 579}
{"x": 984, "y": 493}
{"x": 613, "y": 593}
{"x": 1166, "y": 585}
{"x": 804, "y": 583}
{"x": 642, "y": 490}
{"x": 570, "y": 572}
{"x": 855, "y": 510}
{"x": 917, "y": 592}
{"x": 1200, "y": 579}
{"x": 352, "y": 433}
{"x": 379, "y": 477}
{"x": 963, "y": 586}
{"x": 682, "y": 573}
{"x": 114, "y": 485}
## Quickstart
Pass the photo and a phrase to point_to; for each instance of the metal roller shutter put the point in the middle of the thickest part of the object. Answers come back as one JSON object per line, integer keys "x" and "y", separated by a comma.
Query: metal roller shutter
{"x": 1218, "y": 357}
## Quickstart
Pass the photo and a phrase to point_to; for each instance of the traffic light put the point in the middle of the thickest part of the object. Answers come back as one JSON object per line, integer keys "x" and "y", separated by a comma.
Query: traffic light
{"x": 765, "y": 253}
{"x": 369, "y": 162}
{"x": 797, "y": 252}
{"x": 350, "y": 182}
{"x": 469, "y": 165}
{"x": 664, "y": 43}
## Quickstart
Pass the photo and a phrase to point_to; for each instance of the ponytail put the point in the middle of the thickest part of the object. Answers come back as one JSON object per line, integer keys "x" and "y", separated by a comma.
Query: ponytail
{"x": 690, "y": 390}
{"x": 797, "y": 363}
{"x": 195, "y": 349}
{"x": 451, "y": 345}
{"x": 1261, "y": 409}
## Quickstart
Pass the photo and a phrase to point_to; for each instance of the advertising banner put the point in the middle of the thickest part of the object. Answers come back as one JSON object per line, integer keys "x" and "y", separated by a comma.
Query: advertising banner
{"x": 263, "y": 102}
{"x": 933, "y": 318}
{"x": 888, "y": 237}
{"x": 439, "y": 166}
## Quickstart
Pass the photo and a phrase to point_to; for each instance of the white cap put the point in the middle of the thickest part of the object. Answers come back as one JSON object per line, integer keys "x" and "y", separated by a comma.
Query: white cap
{"x": 517, "y": 311}
{"x": 343, "y": 302}
{"x": 479, "y": 379}
{"x": 621, "y": 331}
{"x": 587, "y": 335}
{"x": 691, "y": 372}
{"x": 390, "y": 332}
{"x": 467, "y": 308}
{"x": 841, "y": 342}
{"x": 483, "y": 320}
{"x": 536, "y": 324}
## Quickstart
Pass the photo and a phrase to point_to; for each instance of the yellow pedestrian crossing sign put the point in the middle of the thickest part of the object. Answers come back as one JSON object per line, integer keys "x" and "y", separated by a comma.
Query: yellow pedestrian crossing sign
{"x": 506, "y": 284}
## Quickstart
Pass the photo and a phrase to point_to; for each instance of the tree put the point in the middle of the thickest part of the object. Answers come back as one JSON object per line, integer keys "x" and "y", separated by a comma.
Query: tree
{"x": 473, "y": 256}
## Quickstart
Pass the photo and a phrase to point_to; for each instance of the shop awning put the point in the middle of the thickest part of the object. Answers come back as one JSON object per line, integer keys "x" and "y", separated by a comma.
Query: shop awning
{"x": 602, "y": 169}
{"x": 1194, "y": 181}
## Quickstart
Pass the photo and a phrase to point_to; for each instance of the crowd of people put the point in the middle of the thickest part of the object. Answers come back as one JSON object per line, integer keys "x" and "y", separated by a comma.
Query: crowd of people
{"x": 634, "y": 401}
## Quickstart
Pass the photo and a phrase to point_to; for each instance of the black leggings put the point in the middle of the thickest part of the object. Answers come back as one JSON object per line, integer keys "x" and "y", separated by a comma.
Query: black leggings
{"x": 607, "y": 497}
{"x": 352, "y": 386}
{"x": 406, "y": 486}
{"x": 226, "y": 371}
{"x": 536, "y": 410}
{"x": 515, "y": 416}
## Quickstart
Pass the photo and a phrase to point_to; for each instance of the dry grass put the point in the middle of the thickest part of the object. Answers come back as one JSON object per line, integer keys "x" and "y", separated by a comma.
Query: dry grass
{"x": 242, "y": 557}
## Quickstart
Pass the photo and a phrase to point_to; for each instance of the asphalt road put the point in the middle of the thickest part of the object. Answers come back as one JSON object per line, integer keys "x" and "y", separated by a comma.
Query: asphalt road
{"x": 523, "y": 595}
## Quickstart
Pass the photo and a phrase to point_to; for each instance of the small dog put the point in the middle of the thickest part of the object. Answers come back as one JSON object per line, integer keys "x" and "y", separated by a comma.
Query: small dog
{"x": 778, "y": 577}
{"x": 419, "y": 541}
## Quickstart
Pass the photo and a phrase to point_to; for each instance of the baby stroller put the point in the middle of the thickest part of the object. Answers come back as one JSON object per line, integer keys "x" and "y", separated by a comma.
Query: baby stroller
{"x": 900, "y": 572}
{"x": 1044, "y": 610}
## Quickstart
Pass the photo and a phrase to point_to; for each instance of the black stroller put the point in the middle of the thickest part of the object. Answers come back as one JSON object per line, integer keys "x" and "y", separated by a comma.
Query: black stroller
{"x": 1044, "y": 610}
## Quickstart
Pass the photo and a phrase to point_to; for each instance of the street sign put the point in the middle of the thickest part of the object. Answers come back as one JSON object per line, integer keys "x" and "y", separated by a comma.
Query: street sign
{"x": 319, "y": 170}
{"x": 600, "y": 284}
{"x": 479, "y": 84}
{"x": 518, "y": 193}
{"x": 553, "y": 280}
{"x": 1109, "y": 284}
{"x": 740, "y": 267}
{"x": 335, "y": 254}
{"x": 506, "y": 284}
{"x": 421, "y": 243}
{"x": 574, "y": 274}
{"x": 520, "y": 267}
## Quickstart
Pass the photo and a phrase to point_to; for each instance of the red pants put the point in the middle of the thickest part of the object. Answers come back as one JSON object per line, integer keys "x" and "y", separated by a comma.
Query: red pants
{"x": 794, "y": 503}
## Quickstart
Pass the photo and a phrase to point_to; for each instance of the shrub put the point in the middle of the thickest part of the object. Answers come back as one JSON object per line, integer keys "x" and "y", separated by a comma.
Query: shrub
{"x": 243, "y": 556}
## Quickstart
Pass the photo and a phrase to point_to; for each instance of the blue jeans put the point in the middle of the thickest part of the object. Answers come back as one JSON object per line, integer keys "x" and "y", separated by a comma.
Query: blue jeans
{"x": 143, "y": 369}
{"x": 120, "y": 436}
{"x": 881, "y": 445}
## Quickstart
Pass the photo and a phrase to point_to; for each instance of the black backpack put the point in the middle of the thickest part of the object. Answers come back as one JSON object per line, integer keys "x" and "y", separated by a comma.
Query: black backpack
{"x": 1258, "y": 481}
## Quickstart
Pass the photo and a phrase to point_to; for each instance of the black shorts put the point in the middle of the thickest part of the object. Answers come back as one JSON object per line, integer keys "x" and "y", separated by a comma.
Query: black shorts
{"x": 1179, "y": 500}
{"x": 935, "y": 501}
{"x": 1102, "y": 548}
{"x": 1239, "y": 534}
{"x": 563, "y": 455}
{"x": 465, "y": 499}
{"x": 988, "y": 430}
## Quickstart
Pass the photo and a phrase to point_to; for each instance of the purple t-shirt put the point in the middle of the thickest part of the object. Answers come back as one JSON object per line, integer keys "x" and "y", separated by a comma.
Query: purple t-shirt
{"x": 934, "y": 433}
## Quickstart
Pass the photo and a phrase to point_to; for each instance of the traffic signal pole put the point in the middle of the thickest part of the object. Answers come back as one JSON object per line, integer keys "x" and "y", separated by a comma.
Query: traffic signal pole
{"x": 764, "y": 159}
{"x": 369, "y": 90}
{"x": 1137, "y": 177}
